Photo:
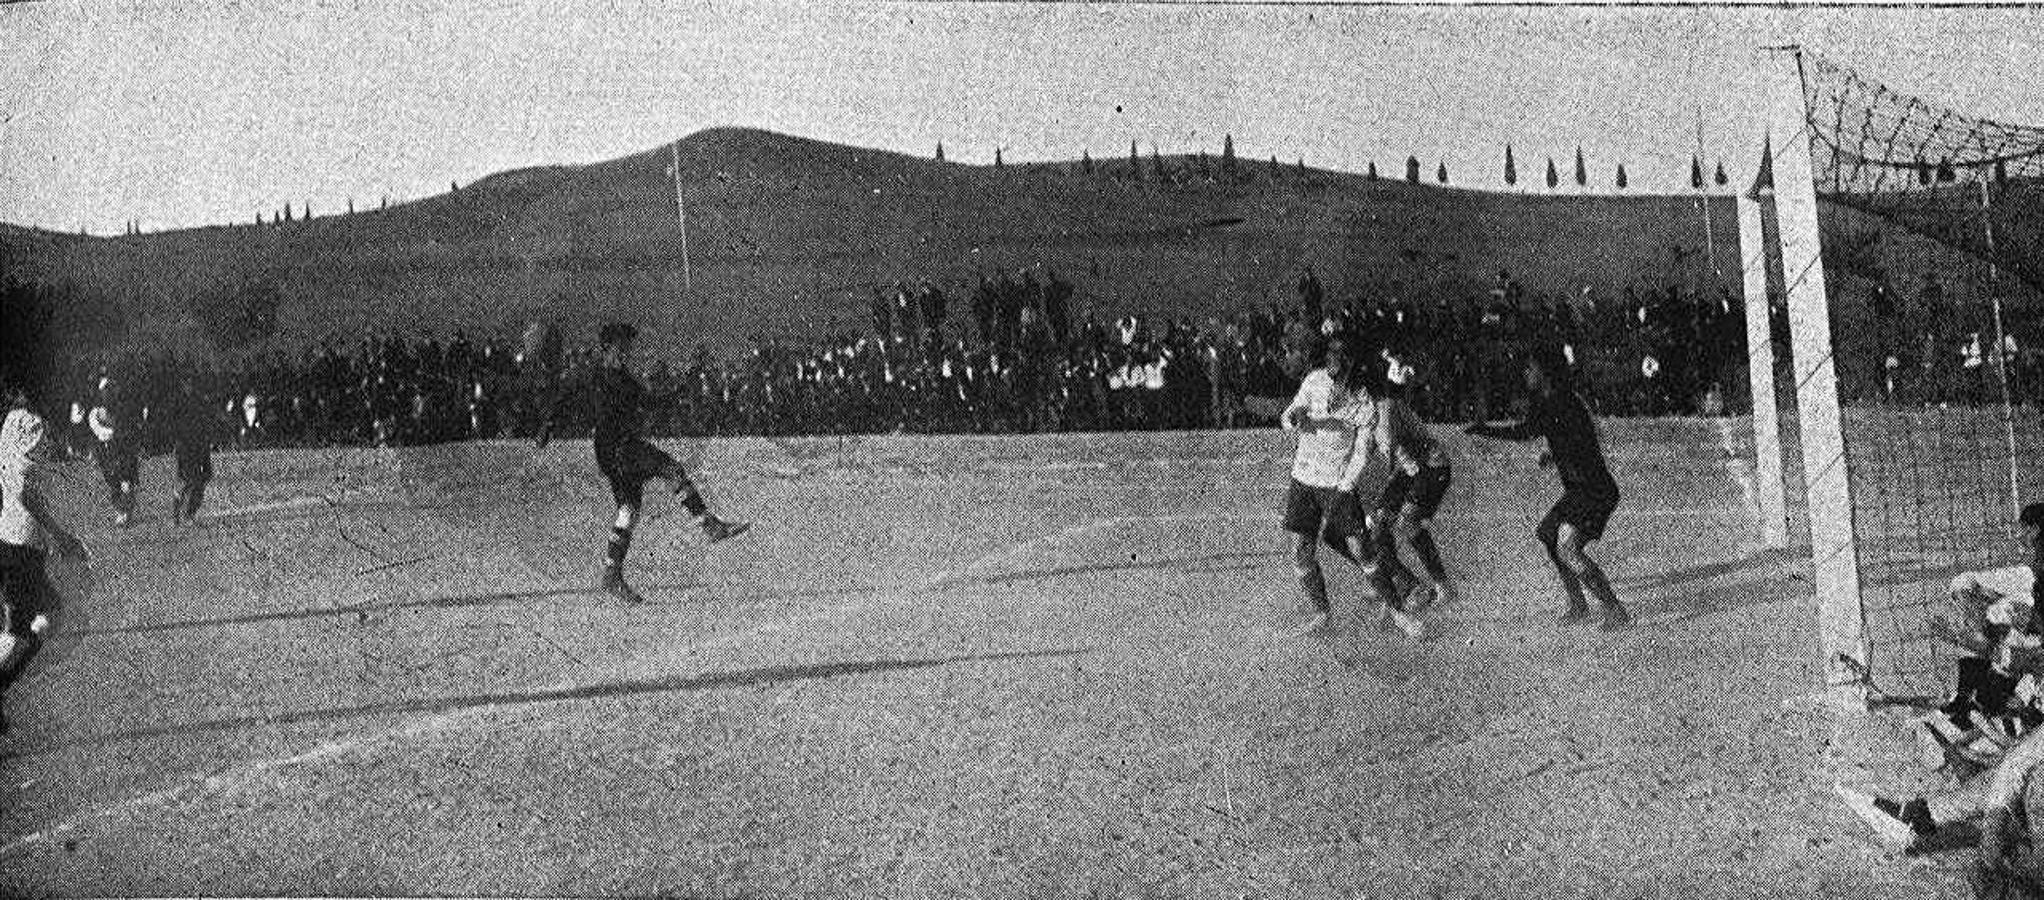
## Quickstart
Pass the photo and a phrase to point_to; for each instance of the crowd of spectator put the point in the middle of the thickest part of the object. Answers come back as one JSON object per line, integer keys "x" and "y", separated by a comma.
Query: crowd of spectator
{"x": 1017, "y": 359}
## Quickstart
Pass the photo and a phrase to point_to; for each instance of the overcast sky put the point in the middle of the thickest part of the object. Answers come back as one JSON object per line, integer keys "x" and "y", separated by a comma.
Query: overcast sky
{"x": 179, "y": 114}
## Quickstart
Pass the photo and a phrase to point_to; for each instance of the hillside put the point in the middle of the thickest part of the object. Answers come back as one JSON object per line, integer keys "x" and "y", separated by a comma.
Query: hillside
{"x": 787, "y": 236}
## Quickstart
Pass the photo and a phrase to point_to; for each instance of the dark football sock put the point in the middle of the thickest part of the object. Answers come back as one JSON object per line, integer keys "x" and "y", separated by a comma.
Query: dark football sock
{"x": 620, "y": 544}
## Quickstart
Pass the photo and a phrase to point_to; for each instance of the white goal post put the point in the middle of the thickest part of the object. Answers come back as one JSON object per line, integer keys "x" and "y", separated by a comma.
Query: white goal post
{"x": 1841, "y": 613}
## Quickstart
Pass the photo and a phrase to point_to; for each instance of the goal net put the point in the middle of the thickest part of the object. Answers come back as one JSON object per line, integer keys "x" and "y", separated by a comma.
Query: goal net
{"x": 1910, "y": 241}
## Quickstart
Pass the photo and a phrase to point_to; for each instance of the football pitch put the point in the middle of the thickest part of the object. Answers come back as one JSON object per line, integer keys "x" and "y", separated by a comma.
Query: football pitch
{"x": 1047, "y": 666}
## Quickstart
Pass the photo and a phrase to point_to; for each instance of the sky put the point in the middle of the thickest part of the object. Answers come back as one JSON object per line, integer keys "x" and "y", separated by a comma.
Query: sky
{"x": 180, "y": 114}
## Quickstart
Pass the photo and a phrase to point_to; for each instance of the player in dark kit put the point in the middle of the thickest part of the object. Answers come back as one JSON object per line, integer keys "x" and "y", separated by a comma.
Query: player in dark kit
{"x": 1588, "y": 492}
{"x": 191, "y": 437}
{"x": 628, "y": 460}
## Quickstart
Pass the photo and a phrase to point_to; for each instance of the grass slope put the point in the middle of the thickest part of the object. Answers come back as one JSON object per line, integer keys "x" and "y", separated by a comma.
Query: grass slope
{"x": 787, "y": 235}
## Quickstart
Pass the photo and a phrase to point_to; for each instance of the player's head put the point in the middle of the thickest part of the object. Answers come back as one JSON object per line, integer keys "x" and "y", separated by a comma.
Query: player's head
{"x": 1338, "y": 355}
{"x": 615, "y": 341}
{"x": 1547, "y": 369}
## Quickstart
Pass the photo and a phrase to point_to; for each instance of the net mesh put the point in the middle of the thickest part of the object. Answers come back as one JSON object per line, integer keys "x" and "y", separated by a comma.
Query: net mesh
{"x": 1932, "y": 228}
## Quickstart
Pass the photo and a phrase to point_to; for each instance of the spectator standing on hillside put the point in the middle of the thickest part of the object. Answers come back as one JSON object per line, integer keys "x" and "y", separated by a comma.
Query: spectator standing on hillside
{"x": 1312, "y": 297}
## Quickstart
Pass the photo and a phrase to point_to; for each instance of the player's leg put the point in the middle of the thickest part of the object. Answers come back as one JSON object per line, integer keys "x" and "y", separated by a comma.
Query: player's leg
{"x": 130, "y": 473}
{"x": 203, "y": 477}
{"x": 1412, "y": 528}
{"x": 1304, "y": 519}
{"x": 1548, "y": 532}
{"x": 666, "y": 468}
{"x": 28, "y": 600}
{"x": 617, "y": 548}
{"x": 1591, "y": 576}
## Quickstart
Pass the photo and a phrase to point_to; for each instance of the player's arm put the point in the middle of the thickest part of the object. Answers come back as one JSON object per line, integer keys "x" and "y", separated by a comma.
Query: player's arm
{"x": 1366, "y": 446}
{"x": 65, "y": 543}
{"x": 1299, "y": 412}
{"x": 1523, "y": 431}
{"x": 1537, "y": 424}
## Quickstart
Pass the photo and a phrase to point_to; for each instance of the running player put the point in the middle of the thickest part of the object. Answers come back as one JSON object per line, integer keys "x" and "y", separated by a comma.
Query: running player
{"x": 1335, "y": 420}
{"x": 1589, "y": 494}
{"x": 628, "y": 460}
{"x": 25, "y": 525}
{"x": 117, "y": 453}
{"x": 191, "y": 437}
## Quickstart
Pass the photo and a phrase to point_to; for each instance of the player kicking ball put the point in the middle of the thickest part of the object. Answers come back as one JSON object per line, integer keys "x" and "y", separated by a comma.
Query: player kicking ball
{"x": 1589, "y": 495}
{"x": 628, "y": 460}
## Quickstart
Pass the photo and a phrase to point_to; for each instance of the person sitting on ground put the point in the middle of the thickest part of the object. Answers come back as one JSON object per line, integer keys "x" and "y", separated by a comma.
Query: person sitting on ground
{"x": 1995, "y": 700}
{"x": 2005, "y": 805}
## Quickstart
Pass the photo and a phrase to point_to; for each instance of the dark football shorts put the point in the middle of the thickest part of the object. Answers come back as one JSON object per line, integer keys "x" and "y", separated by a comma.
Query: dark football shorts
{"x": 1422, "y": 491}
{"x": 628, "y": 466}
{"x": 1589, "y": 509}
{"x": 1326, "y": 512}
{"x": 26, "y": 588}
{"x": 194, "y": 465}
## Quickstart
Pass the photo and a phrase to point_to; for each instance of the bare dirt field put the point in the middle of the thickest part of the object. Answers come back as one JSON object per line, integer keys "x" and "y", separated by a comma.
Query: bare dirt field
{"x": 938, "y": 667}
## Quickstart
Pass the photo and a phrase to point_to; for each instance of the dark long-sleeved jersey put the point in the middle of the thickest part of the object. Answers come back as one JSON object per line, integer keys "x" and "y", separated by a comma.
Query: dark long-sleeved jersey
{"x": 1571, "y": 436}
{"x": 620, "y": 404}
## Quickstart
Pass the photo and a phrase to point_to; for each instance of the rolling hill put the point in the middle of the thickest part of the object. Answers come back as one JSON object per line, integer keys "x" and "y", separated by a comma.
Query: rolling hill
{"x": 787, "y": 236}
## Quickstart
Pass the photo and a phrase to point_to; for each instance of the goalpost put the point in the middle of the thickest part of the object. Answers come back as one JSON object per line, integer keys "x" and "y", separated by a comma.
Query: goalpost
{"x": 1910, "y": 419}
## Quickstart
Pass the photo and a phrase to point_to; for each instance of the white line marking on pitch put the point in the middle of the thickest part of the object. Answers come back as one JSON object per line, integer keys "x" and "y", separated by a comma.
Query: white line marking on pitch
{"x": 244, "y": 775}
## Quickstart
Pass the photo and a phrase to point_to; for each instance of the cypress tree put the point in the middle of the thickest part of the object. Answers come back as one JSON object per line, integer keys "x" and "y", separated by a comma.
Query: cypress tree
{"x": 940, "y": 151}
{"x": 1553, "y": 177}
{"x": 1511, "y": 168}
{"x": 1621, "y": 176}
{"x": 1720, "y": 177}
{"x": 1412, "y": 169}
{"x": 1696, "y": 172}
{"x": 1228, "y": 156}
{"x": 1582, "y": 174}
{"x": 1442, "y": 175}
{"x": 997, "y": 157}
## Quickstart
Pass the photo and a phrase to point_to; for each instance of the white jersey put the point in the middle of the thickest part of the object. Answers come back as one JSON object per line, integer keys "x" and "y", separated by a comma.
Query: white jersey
{"x": 19, "y": 436}
{"x": 2002, "y": 587}
{"x": 1327, "y": 448}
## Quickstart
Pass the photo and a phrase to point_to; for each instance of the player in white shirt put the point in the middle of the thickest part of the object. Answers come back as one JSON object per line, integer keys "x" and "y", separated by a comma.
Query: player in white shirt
{"x": 1335, "y": 420}
{"x": 25, "y": 525}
